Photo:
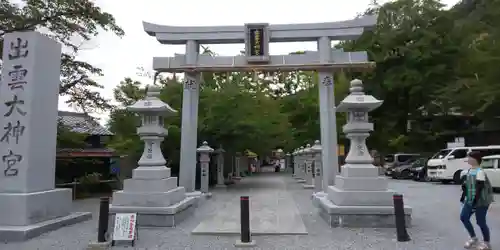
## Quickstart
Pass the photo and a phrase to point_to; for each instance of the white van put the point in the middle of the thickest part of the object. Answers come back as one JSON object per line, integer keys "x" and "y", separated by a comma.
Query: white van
{"x": 491, "y": 167}
{"x": 447, "y": 164}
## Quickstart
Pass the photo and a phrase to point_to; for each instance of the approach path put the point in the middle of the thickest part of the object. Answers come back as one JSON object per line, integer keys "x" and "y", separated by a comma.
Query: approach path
{"x": 436, "y": 221}
{"x": 272, "y": 208}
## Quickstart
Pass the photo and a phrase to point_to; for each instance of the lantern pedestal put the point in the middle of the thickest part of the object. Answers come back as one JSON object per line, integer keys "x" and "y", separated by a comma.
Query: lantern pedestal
{"x": 360, "y": 197}
{"x": 152, "y": 193}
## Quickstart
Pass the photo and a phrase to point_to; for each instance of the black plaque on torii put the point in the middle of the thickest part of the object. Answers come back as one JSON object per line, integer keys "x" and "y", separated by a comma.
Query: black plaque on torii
{"x": 257, "y": 42}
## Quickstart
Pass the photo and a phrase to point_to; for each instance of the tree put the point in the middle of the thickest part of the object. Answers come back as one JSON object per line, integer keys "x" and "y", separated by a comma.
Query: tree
{"x": 477, "y": 89}
{"x": 67, "y": 21}
{"x": 416, "y": 52}
{"x": 69, "y": 139}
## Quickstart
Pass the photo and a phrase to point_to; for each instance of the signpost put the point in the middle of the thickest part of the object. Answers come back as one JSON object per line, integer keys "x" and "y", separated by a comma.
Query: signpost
{"x": 125, "y": 228}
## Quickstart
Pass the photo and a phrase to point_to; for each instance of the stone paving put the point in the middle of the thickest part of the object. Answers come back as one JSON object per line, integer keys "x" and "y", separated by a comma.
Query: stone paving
{"x": 435, "y": 218}
{"x": 272, "y": 209}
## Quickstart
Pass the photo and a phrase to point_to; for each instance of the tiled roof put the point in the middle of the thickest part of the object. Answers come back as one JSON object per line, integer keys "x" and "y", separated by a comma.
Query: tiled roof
{"x": 82, "y": 123}
{"x": 93, "y": 150}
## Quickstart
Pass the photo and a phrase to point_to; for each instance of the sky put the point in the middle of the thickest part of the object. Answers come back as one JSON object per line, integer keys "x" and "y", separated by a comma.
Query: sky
{"x": 120, "y": 57}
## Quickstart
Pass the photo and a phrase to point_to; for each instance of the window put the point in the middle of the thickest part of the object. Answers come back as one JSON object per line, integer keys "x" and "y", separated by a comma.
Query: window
{"x": 488, "y": 152}
{"x": 459, "y": 153}
{"x": 488, "y": 163}
{"x": 441, "y": 154}
{"x": 389, "y": 158}
{"x": 403, "y": 158}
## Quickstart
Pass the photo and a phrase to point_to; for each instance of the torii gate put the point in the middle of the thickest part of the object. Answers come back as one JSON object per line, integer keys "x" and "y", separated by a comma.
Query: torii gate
{"x": 257, "y": 37}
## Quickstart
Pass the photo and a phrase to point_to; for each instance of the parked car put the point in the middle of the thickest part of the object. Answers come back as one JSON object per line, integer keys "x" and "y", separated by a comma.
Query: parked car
{"x": 403, "y": 171}
{"x": 491, "y": 166}
{"x": 447, "y": 164}
{"x": 395, "y": 160}
{"x": 419, "y": 170}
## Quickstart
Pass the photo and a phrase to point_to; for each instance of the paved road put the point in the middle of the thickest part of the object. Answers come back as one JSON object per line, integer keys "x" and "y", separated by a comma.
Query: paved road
{"x": 436, "y": 224}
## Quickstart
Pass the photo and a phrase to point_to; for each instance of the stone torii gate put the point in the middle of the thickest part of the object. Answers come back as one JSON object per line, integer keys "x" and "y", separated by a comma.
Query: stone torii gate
{"x": 257, "y": 37}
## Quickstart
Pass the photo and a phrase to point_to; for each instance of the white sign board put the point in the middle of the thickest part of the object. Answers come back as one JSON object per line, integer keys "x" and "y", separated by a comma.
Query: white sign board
{"x": 125, "y": 227}
{"x": 455, "y": 144}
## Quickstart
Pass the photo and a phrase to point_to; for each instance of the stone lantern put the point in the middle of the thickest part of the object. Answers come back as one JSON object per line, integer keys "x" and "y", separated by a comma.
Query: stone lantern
{"x": 308, "y": 161}
{"x": 288, "y": 160}
{"x": 280, "y": 158}
{"x": 204, "y": 151}
{"x": 220, "y": 167}
{"x": 300, "y": 158}
{"x": 360, "y": 197}
{"x": 295, "y": 164}
{"x": 237, "y": 166}
{"x": 152, "y": 193}
{"x": 316, "y": 151}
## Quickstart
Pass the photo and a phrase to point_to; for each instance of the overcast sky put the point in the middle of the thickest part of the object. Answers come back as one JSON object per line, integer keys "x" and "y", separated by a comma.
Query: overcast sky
{"x": 119, "y": 57}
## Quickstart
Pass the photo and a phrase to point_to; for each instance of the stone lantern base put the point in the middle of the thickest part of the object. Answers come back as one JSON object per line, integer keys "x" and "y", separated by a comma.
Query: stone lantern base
{"x": 360, "y": 198}
{"x": 154, "y": 195}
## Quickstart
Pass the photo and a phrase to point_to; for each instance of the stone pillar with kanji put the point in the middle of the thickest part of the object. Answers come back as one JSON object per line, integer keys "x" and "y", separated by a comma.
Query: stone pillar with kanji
{"x": 317, "y": 164}
{"x": 220, "y": 167}
{"x": 237, "y": 166}
{"x": 308, "y": 162}
{"x": 29, "y": 91}
{"x": 204, "y": 152}
{"x": 301, "y": 165}
{"x": 295, "y": 163}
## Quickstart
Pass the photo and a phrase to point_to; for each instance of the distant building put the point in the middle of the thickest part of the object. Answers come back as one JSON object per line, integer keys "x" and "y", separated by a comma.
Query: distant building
{"x": 98, "y": 135}
{"x": 77, "y": 168}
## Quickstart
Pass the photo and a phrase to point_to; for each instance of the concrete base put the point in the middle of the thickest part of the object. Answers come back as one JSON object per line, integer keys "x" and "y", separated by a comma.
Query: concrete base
{"x": 22, "y": 209}
{"x": 301, "y": 181}
{"x": 99, "y": 245}
{"x": 23, "y": 233}
{"x": 148, "y": 199}
{"x": 240, "y": 244}
{"x": 236, "y": 178}
{"x": 27, "y": 215}
{"x": 316, "y": 196}
{"x": 158, "y": 216}
{"x": 308, "y": 186}
{"x": 207, "y": 195}
{"x": 221, "y": 186}
{"x": 195, "y": 194}
{"x": 359, "y": 216}
{"x": 343, "y": 197}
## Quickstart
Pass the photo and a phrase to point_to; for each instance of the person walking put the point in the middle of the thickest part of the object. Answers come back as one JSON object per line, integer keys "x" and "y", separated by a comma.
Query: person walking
{"x": 477, "y": 195}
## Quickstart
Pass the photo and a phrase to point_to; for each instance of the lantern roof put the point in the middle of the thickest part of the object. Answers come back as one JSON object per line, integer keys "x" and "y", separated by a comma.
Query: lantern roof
{"x": 152, "y": 103}
{"x": 357, "y": 100}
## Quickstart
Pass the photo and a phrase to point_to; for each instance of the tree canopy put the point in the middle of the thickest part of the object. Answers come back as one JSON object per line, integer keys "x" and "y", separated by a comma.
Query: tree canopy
{"x": 72, "y": 23}
{"x": 435, "y": 68}
{"x": 433, "y": 65}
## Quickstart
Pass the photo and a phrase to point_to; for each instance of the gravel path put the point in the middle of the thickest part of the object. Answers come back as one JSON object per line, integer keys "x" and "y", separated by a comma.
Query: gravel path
{"x": 435, "y": 217}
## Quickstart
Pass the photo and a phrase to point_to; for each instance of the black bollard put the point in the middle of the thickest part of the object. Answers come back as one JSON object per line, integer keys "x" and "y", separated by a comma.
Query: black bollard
{"x": 245, "y": 219}
{"x": 399, "y": 214}
{"x": 103, "y": 219}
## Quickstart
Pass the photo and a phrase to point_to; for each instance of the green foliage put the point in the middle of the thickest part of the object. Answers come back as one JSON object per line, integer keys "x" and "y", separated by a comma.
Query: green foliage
{"x": 69, "y": 139}
{"x": 432, "y": 63}
{"x": 72, "y": 23}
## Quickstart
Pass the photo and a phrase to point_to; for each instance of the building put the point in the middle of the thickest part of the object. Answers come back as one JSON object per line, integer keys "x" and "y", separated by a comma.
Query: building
{"x": 91, "y": 163}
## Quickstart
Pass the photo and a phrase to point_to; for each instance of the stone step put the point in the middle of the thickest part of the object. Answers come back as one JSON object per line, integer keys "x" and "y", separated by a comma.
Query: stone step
{"x": 149, "y": 186}
{"x": 162, "y": 199}
{"x": 360, "y": 198}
